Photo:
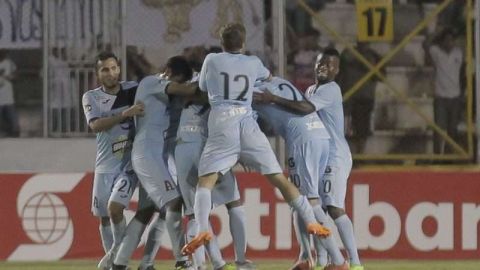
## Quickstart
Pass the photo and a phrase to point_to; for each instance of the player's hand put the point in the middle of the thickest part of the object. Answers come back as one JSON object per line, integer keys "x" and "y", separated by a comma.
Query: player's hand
{"x": 137, "y": 109}
{"x": 265, "y": 97}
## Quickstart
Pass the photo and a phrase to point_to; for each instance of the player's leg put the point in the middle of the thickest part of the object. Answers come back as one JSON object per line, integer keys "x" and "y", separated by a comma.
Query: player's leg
{"x": 155, "y": 232}
{"x": 135, "y": 229}
{"x": 100, "y": 194}
{"x": 175, "y": 229}
{"x": 187, "y": 156}
{"x": 202, "y": 207}
{"x": 122, "y": 191}
{"x": 220, "y": 154}
{"x": 256, "y": 150}
{"x": 333, "y": 194}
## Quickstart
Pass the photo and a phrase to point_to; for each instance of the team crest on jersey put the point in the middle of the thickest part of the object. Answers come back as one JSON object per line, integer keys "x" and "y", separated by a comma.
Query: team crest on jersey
{"x": 88, "y": 107}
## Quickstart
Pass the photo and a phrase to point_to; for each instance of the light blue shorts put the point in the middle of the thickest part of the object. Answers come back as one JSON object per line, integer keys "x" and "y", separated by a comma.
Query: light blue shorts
{"x": 187, "y": 156}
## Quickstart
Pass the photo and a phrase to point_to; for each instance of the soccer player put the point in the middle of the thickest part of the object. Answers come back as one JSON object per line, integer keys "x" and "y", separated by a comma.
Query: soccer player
{"x": 192, "y": 135}
{"x": 233, "y": 133}
{"x": 150, "y": 154}
{"x": 325, "y": 98}
{"x": 307, "y": 142}
{"x": 109, "y": 110}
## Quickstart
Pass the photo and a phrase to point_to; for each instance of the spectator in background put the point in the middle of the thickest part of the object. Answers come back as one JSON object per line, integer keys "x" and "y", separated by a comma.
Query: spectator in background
{"x": 447, "y": 59}
{"x": 138, "y": 67}
{"x": 61, "y": 96}
{"x": 8, "y": 114}
{"x": 358, "y": 108}
{"x": 304, "y": 60}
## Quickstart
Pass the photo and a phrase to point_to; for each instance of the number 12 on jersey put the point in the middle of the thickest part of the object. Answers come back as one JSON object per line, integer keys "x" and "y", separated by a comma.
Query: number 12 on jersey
{"x": 374, "y": 20}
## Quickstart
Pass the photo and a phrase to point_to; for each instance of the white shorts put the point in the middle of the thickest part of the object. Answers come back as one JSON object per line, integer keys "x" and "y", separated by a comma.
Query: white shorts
{"x": 234, "y": 139}
{"x": 112, "y": 187}
{"x": 187, "y": 156}
{"x": 151, "y": 168}
{"x": 334, "y": 185}
{"x": 306, "y": 165}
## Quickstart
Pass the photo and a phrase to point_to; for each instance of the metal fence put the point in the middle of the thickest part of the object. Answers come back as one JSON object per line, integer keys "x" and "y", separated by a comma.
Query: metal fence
{"x": 389, "y": 105}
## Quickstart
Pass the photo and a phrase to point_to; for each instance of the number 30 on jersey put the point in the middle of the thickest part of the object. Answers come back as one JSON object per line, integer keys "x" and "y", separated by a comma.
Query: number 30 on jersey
{"x": 374, "y": 20}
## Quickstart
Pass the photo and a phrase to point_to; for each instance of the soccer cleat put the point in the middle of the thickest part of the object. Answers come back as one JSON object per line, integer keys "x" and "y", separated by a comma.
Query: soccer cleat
{"x": 356, "y": 267}
{"x": 344, "y": 266}
{"x": 107, "y": 261}
{"x": 246, "y": 265}
{"x": 184, "y": 265}
{"x": 119, "y": 267}
{"x": 318, "y": 230}
{"x": 303, "y": 265}
{"x": 201, "y": 239}
{"x": 227, "y": 266}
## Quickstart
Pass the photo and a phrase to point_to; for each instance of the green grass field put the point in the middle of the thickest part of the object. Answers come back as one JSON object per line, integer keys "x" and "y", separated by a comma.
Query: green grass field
{"x": 267, "y": 265}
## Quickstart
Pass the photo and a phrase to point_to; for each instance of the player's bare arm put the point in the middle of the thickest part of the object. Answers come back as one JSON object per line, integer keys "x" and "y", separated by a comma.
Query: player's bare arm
{"x": 301, "y": 107}
{"x": 106, "y": 123}
{"x": 181, "y": 89}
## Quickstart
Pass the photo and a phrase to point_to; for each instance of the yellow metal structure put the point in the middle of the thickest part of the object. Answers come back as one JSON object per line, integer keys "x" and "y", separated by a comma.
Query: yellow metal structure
{"x": 460, "y": 152}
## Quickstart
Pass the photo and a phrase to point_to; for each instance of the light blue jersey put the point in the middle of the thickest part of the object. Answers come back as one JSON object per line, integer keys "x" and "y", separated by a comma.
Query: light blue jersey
{"x": 327, "y": 99}
{"x": 193, "y": 126}
{"x": 292, "y": 127}
{"x": 233, "y": 133}
{"x": 113, "y": 145}
{"x": 149, "y": 155}
{"x": 229, "y": 78}
{"x": 156, "y": 120}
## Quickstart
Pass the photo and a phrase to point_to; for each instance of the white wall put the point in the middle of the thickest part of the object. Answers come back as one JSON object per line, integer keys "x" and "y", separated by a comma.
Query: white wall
{"x": 47, "y": 155}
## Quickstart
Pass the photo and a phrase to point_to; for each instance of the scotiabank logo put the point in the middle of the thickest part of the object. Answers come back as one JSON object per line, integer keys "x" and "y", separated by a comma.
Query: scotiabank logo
{"x": 441, "y": 214}
{"x": 45, "y": 218}
{"x": 396, "y": 215}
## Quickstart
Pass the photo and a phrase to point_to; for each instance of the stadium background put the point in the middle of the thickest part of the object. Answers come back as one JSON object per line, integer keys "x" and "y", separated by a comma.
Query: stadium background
{"x": 406, "y": 201}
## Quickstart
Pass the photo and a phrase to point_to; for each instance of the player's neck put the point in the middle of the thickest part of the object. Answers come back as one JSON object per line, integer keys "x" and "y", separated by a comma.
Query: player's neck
{"x": 111, "y": 90}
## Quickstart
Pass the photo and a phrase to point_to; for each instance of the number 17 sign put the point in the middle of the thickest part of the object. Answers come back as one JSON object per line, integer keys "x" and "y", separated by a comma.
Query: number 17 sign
{"x": 375, "y": 20}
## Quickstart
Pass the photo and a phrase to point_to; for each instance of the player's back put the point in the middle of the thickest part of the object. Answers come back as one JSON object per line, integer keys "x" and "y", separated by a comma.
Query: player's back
{"x": 292, "y": 127}
{"x": 332, "y": 116}
{"x": 114, "y": 144}
{"x": 229, "y": 78}
{"x": 153, "y": 124}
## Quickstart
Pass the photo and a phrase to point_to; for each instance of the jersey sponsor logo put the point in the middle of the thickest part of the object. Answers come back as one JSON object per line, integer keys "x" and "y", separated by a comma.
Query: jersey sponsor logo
{"x": 105, "y": 101}
{"x": 120, "y": 146}
{"x": 315, "y": 125}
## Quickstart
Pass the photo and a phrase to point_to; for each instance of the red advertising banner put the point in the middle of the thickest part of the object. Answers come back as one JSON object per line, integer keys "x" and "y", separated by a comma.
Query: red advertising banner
{"x": 396, "y": 215}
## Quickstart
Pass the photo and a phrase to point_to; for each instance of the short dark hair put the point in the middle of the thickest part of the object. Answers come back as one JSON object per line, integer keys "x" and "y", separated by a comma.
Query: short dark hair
{"x": 179, "y": 66}
{"x": 102, "y": 56}
{"x": 331, "y": 52}
{"x": 232, "y": 36}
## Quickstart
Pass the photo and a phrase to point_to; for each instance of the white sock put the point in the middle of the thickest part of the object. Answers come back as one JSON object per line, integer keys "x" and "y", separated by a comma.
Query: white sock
{"x": 176, "y": 233}
{"x": 118, "y": 232}
{"x": 157, "y": 227}
{"x": 304, "y": 209}
{"x": 345, "y": 229}
{"x": 107, "y": 237}
{"x": 322, "y": 255}
{"x": 133, "y": 233}
{"x": 328, "y": 242}
{"x": 214, "y": 252}
{"x": 202, "y": 206}
{"x": 199, "y": 254}
{"x": 303, "y": 238}
{"x": 237, "y": 229}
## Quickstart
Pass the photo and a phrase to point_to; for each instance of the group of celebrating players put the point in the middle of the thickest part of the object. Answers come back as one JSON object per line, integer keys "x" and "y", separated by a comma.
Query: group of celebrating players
{"x": 180, "y": 133}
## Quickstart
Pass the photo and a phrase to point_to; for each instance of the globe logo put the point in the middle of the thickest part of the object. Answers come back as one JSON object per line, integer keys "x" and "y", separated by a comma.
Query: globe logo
{"x": 45, "y": 218}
